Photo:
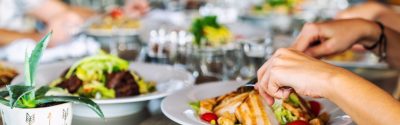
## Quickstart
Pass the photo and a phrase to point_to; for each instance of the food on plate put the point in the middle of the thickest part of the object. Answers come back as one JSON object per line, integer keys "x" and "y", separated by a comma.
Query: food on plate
{"x": 295, "y": 110}
{"x": 116, "y": 19}
{"x": 347, "y": 56}
{"x": 233, "y": 108}
{"x": 7, "y": 74}
{"x": 248, "y": 108}
{"x": 208, "y": 32}
{"x": 276, "y": 6}
{"x": 102, "y": 76}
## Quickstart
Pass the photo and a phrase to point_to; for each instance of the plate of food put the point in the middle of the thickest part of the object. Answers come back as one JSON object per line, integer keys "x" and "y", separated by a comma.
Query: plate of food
{"x": 120, "y": 88}
{"x": 355, "y": 59}
{"x": 220, "y": 103}
{"x": 7, "y": 74}
{"x": 113, "y": 23}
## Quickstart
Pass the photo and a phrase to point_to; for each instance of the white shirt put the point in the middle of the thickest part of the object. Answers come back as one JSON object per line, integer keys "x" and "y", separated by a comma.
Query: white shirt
{"x": 13, "y": 14}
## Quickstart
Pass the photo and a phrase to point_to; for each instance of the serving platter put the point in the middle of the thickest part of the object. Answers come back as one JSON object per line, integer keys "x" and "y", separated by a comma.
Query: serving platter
{"x": 168, "y": 79}
{"x": 176, "y": 106}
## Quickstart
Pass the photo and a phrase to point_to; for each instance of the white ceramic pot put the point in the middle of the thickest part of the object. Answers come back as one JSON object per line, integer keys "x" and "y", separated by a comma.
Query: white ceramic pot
{"x": 110, "y": 110}
{"x": 54, "y": 115}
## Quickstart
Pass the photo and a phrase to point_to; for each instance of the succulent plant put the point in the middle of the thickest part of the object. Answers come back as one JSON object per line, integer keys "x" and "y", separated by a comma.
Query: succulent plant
{"x": 26, "y": 96}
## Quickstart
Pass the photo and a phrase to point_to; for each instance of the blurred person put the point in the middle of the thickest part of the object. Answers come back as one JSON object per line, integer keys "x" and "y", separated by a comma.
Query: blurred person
{"x": 297, "y": 69}
{"x": 17, "y": 18}
{"x": 373, "y": 11}
{"x": 136, "y": 8}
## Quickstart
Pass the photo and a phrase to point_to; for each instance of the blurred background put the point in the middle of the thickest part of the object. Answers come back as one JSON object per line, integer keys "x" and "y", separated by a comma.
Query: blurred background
{"x": 212, "y": 39}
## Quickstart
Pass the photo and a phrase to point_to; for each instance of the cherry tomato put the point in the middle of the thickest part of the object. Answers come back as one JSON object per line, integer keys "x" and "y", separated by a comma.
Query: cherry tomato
{"x": 116, "y": 13}
{"x": 298, "y": 122}
{"x": 209, "y": 117}
{"x": 315, "y": 107}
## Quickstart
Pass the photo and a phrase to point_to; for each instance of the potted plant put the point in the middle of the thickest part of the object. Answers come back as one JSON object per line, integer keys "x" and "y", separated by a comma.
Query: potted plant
{"x": 22, "y": 104}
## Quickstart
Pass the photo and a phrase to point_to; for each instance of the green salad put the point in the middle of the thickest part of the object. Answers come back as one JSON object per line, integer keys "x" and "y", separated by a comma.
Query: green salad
{"x": 102, "y": 76}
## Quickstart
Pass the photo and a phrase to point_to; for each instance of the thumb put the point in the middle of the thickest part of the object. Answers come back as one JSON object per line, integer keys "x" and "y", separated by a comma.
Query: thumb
{"x": 308, "y": 35}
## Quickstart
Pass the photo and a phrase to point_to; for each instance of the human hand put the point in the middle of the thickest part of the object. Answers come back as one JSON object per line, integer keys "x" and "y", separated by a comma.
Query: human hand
{"x": 368, "y": 11}
{"x": 335, "y": 36}
{"x": 136, "y": 8}
{"x": 63, "y": 27}
{"x": 289, "y": 69}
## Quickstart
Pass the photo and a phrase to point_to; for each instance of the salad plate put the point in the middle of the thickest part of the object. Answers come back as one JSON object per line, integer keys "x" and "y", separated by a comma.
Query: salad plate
{"x": 167, "y": 78}
{"x": 177, "y": 105}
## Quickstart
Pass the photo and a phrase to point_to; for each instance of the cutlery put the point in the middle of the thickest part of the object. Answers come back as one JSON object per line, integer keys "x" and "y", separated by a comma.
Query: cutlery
{"x": 248, "y": 86}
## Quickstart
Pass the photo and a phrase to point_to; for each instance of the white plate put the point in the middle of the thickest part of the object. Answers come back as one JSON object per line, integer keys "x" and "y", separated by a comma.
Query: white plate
{"x": 176, "y": 106}
{"x": 112, "y": 32}
{"x": 168, "y": 79}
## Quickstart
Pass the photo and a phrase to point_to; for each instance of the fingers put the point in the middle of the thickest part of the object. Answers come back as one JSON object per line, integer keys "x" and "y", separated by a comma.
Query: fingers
{"x": 308, "y": 35}
{"x": 267, "y": 83}
{"x": 270, "y": 100}
{"x": 358, "y": 48}
{"x": 321, "y": 50}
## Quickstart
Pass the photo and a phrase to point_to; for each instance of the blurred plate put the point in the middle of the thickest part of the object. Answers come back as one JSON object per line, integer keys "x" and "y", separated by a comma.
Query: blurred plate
{"x": 111, "y": 32}
{"x": 354, "y": 59}
{"x": 176, "y": 106}
{"x": 168, "y": 80}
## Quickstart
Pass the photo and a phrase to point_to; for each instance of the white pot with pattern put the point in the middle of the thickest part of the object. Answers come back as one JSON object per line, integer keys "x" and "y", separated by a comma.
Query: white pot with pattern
{"x": 60, "y": 114}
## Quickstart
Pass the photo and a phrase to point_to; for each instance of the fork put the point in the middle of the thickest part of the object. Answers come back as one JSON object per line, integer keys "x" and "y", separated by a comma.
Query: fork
{"x": 248, "y": 86}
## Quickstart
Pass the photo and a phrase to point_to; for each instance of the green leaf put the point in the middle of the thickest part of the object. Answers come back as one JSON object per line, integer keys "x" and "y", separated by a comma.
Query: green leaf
{"x": 4, "y": 94}
{"x": 41, "y": 91}
{"x": 78, "y": 100}
{"x": 16, "y": 92}
{"x": 27, "y": 69}
{"x": 199, "y": 24}
{"x": 35, "y": 56}
{"x": 4, "y": 102}
{"x": 195, "y": 106}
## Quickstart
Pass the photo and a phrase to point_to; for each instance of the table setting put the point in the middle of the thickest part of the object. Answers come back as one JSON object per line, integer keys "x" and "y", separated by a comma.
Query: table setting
{"x": 183, "y": 62}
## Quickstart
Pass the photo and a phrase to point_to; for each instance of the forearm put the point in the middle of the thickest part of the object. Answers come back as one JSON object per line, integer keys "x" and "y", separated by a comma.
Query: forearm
{"x": 373, "y": 32}
{"x": 393, "y": 48}
{"x": 389, "y": 18}
{"x": 7, "y": 36}
{"x": 85, "y": 13}
{"x": 363, "y": 101}
{"x": 48, "y": 10}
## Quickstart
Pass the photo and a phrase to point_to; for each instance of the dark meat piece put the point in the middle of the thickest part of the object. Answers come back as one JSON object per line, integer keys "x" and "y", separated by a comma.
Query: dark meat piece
{"x": 114, "y": 79}
{"x": 72, "y": 84}
{"x": 6, "y": 76}
{"x": 123, "y": 83}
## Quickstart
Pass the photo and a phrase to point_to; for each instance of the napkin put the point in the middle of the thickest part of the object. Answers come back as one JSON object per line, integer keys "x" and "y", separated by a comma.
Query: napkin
{"x": 80, "y": 46}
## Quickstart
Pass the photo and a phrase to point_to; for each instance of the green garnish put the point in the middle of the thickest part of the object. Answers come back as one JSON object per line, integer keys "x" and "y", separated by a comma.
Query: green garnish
{"x": 195, "y": 106}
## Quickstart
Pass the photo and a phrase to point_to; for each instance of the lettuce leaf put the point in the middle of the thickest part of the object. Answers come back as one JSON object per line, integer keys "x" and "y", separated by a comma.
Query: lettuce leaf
{"x": 95, "y": 67}
{"x": 95, "y": 88}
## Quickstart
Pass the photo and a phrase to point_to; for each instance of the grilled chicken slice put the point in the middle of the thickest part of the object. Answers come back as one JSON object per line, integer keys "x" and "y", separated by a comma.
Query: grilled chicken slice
{"x": 252, "y": 111}
{"x": 227, "y": 119}
{"x": 316, "y": 121}
{"x": 207, "y": 105}
{"x": 226, "y": 96}
{"x": 230, "y": 103}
